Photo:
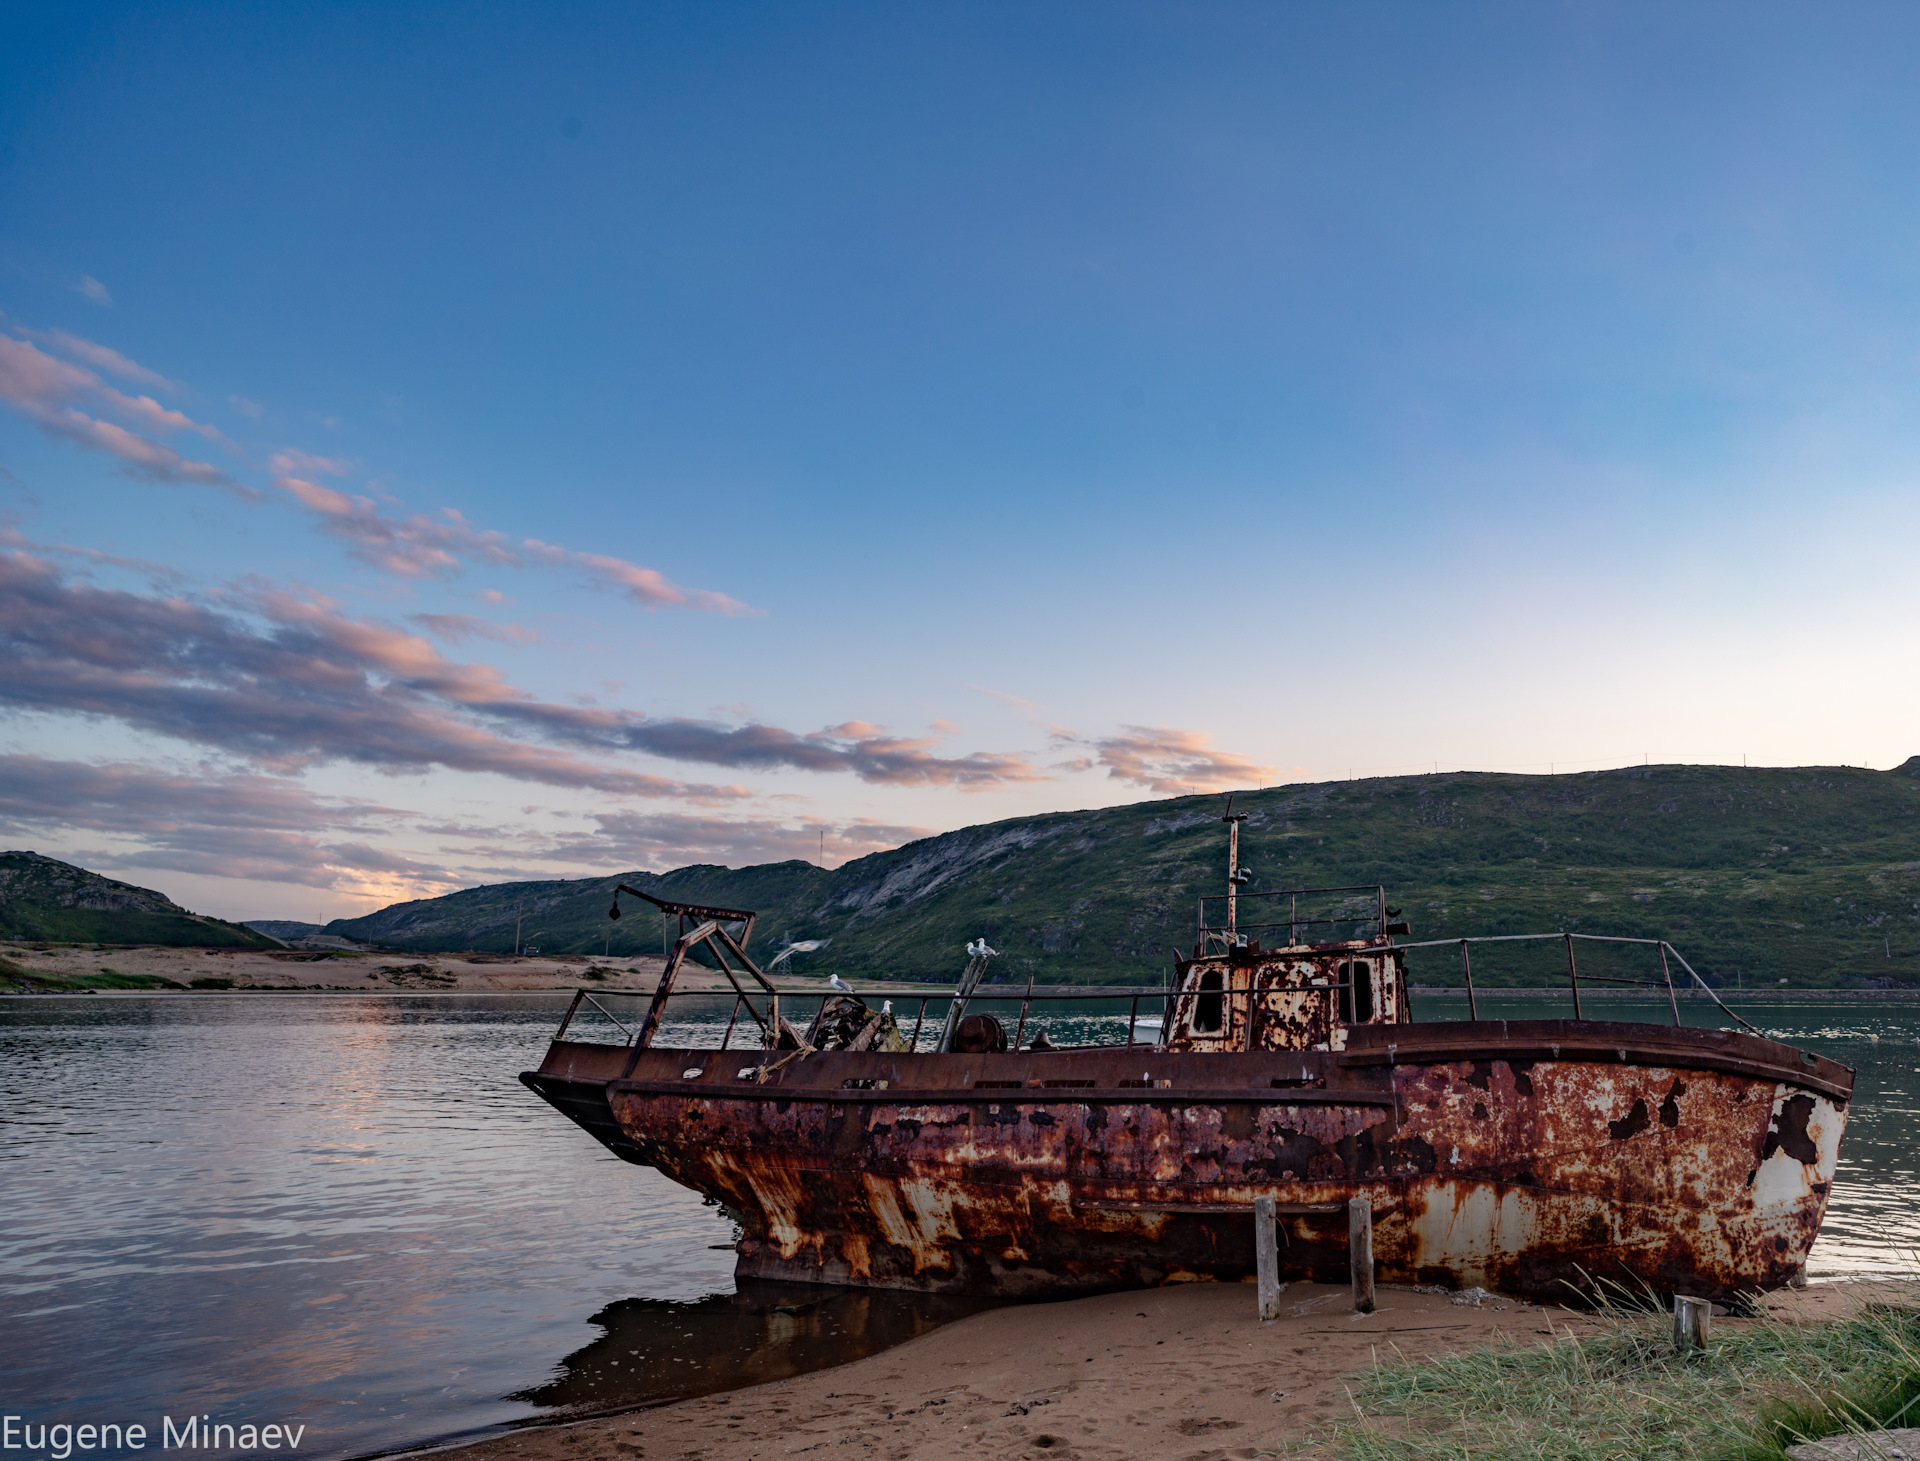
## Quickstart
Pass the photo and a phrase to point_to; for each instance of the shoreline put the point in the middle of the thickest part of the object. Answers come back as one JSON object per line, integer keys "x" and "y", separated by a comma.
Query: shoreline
{"x": 151, "y": 969}
{"x": 1186, "y": 1369}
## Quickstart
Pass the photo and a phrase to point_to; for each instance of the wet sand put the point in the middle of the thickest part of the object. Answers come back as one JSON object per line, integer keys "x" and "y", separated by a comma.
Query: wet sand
{"x": 1185, "y": 1371}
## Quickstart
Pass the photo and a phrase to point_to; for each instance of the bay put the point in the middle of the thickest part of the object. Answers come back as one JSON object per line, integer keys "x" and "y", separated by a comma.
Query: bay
{"x": 347, "y": 1213}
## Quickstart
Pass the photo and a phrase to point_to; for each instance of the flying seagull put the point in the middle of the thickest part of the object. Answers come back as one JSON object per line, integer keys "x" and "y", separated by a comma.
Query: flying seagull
{"x": 805, "y": 946}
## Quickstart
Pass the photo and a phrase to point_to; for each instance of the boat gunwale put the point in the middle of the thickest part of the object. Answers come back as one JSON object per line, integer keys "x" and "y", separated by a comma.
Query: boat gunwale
{"x": 1598, "y": 1042}
{"x": 1005, "y": 1095}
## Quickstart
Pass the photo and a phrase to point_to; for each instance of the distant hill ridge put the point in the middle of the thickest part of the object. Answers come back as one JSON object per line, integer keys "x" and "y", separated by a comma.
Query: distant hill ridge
{"x": 45, "y": 900}
{"x": 1757, "y": 874}
{"x": 282, "y": 928}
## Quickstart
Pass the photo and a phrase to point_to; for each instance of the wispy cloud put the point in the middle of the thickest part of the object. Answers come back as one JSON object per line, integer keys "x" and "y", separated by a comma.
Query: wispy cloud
{"x": 863, "y": 750}
{"x": 426, "y": 547}
{"x": 227, "y": 824}
{"x": 666, "y": 840}
{"x": 43, "y": 388}
{"x": 49, "y": 390}
{"x": 309, "y": 686}
{"x": 100, "y": 357}
{"x": 91, "y": 288}
{"x": 459, "y": 628}
{"x": 645, "y": 586}
{"x": 1003, "y": 697}
{"x": 1165, "y": 759}
{"x": 295, "y": 682}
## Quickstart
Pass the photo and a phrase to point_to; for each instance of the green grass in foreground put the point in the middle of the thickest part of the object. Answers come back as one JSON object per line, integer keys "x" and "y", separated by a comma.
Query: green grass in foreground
{"x": 1624, "y": 1393}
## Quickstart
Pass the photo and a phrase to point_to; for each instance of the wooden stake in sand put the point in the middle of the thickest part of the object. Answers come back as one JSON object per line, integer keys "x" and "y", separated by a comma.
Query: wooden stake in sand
{"x": 1690, "y": 1320}
{"x": 1360, "y": 1252}
{"x": 1266, "y": 1258}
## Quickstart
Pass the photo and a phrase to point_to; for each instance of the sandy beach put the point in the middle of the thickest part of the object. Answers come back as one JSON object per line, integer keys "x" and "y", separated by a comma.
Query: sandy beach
{"x": 1184, "y": 1372}
{"x": 296, "y": 969}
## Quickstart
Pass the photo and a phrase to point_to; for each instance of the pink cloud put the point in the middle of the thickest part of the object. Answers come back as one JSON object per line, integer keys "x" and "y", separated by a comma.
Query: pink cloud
{"x": 43, "y": 389}
{"x": 317, "y": 685}
{"x": 313, "y": 687}
{"x": 291, "y": 460}
{"x": 459, "y": 628}
{"x": 1166, "y": 759}
{"x": 1003, "y": 697}
{"x": 425, "y": 547}
{"x": 230, "y": 824}
{"x": 159, "y": 417}
{"x": 649, "y": 587}
{"x": 658, "y": 841}
{"x": 100, "y": 357}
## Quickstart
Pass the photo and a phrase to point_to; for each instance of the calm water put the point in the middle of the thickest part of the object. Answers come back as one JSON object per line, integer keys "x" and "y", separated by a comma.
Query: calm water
{"x": 348, "y": 1213}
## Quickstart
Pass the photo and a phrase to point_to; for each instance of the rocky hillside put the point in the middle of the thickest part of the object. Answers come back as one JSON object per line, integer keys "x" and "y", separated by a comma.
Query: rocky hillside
{"x": 1809, "y": 875}
{"x": 284, "y": 929}
{"x": 44, "y": 900}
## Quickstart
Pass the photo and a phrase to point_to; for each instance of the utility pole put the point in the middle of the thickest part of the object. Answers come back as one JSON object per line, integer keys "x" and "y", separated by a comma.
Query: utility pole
{"x": 518, "y": 909}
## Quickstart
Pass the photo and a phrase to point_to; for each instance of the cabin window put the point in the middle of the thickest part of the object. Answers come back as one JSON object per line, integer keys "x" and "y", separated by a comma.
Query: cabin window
{"x": 1210, "y": 1009}
{"x": 1356, "y": 994}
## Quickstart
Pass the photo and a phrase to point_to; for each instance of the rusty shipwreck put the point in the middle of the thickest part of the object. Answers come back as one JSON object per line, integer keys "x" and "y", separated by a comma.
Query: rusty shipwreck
{"x": 1282, "y": 1060}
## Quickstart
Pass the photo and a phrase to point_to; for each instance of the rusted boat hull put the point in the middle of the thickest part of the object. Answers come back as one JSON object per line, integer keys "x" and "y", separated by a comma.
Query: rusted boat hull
{"x": 1530, "y": 1158}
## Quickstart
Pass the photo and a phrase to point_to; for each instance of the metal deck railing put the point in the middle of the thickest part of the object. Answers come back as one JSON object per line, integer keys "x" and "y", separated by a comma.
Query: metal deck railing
{"x": 1175, "y": 1004}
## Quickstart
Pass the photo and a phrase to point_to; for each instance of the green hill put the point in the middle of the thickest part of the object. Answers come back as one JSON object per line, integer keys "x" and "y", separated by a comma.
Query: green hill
{"x": 1809, "y": 875}
{"x": 43, "y": 900}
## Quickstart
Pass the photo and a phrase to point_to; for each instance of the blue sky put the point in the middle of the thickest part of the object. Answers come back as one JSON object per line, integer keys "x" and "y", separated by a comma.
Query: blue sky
{"x": 462, "y": 442}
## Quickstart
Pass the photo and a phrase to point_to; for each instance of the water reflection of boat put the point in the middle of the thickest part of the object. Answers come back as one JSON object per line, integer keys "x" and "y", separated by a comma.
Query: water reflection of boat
{"x": 654, "y": 1350}
{"x": 1518, "y": 1155}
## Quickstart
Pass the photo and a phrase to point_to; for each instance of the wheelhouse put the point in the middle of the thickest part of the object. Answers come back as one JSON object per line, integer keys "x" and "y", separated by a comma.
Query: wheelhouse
{"x": 1304, "y": 994}
{"x": 1300, "y": 997}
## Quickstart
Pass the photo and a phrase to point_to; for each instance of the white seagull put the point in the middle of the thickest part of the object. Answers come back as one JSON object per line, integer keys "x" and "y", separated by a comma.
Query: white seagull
{"x": 805, "y": 946}
{"x": 840, "y": 984}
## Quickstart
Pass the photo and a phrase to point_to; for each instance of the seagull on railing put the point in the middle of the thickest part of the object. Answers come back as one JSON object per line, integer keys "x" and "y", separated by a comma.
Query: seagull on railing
{"x": 836, "y": 982}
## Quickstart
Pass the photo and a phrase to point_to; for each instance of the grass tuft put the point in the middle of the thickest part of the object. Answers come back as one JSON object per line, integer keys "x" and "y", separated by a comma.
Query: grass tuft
{"x": 18, "y": 978}
{"x": 1623, "y": 1392}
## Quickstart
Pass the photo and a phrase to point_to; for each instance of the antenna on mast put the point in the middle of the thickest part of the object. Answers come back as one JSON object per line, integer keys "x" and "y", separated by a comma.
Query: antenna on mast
{"x": 1236, "y": 875}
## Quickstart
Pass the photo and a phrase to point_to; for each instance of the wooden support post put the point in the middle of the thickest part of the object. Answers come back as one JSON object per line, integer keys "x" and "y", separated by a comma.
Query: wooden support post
{"x": 1360, "y": 1252}
{"x": 1266, "y": 1258}
{"x": 1690, "y": 1320}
